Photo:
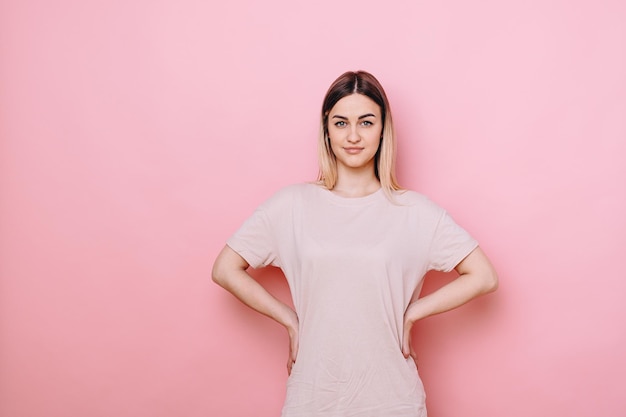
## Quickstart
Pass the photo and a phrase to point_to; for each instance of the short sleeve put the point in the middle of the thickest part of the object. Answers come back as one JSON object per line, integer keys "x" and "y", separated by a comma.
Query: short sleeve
{"x": 450, "y": 244}
{"x": 255, "y": 241}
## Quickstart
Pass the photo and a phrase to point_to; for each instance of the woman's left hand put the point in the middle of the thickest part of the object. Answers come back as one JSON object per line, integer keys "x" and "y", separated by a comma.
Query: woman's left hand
{"x": 407, "y": 344}
{"x": 476, "y": 277}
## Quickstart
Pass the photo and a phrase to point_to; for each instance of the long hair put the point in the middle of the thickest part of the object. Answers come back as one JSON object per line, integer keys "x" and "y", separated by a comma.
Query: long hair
{"x": 359, "y": 82}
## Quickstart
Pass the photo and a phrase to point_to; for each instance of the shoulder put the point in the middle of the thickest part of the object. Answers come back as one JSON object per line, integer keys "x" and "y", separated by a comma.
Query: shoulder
{"x": 416, "y": 200}
{"x": 288, "y": 196}
{"x": 418, "y": 206}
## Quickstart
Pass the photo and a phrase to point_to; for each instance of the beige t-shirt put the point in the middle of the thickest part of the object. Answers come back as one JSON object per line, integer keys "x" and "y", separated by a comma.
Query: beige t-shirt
{"x": 352, "y": 265}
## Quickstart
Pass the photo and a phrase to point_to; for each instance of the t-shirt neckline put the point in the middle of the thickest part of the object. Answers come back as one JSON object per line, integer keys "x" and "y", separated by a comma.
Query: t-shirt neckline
{"x": 349, "y": 201}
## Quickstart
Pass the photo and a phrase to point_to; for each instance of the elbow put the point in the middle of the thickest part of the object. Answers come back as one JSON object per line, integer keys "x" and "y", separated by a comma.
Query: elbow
{"x": 485, "y": 280}
{"x": 491, "y": 281}
{"x": 226, "y": 267}
{"x": 217, "y": 274}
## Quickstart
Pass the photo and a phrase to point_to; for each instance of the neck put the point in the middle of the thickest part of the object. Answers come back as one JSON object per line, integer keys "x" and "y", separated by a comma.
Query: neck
{"x": 356, "y": 183}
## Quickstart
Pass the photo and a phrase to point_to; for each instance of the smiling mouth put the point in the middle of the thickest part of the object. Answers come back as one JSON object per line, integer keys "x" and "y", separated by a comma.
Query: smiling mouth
{"x": 353, "y": 150}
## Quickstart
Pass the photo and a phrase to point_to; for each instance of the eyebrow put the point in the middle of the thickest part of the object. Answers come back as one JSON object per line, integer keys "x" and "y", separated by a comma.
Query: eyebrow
{"x": 337, "y": 116}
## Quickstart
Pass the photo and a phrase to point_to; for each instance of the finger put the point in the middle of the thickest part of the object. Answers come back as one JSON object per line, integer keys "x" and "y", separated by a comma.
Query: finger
{"x": 414, "y": 355}
{"x": 406, "y": 348}
{"x": 293, "y": 348}
{"x": 293, "y": 353}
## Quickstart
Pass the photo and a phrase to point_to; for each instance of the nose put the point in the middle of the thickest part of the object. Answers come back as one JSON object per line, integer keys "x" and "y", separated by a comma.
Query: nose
{"x": 353, "y": 136}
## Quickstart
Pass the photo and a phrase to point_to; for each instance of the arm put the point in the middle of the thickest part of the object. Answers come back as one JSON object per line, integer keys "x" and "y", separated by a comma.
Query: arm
{"x": 476, "y": 277}
{"x": 229, "y": 271}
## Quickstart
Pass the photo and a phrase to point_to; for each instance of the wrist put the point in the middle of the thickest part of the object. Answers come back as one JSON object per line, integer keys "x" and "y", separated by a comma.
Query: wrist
{"x": 289, "y": 319}
{"x": 415, "y": 311}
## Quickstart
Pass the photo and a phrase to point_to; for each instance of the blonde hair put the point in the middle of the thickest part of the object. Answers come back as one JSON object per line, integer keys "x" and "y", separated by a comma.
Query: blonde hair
{"x": 359, "y": 82}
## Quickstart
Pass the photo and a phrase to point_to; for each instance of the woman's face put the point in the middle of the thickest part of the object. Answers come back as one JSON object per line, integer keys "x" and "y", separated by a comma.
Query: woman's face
{"x": 354, "y": 127}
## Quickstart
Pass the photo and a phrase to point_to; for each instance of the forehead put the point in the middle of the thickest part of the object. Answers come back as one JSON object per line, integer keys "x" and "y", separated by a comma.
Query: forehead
{"x": 355, "y": 104}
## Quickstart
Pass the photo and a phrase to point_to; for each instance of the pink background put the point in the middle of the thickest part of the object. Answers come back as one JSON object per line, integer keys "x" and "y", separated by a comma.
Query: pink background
{"x": 137, "y": 135}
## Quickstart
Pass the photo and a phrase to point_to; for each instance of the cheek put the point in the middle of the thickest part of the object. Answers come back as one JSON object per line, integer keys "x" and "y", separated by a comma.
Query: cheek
{"x": 377, "y": 140}
{"x": 378, "y": 146}
{"x": 374, "y": 136}
{"x": 332, "y": 140}
{"x": 334, "y": 145}
{"x": 332, "y": 131}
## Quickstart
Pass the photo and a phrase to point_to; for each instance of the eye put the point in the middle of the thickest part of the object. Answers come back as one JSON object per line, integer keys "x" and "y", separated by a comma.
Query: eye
{"x": 366, "y": 123}
{"x": 340, "y": 123}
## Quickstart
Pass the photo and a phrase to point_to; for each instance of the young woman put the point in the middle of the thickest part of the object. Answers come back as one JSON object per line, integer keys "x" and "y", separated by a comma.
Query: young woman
{"x": 354, "y": 248}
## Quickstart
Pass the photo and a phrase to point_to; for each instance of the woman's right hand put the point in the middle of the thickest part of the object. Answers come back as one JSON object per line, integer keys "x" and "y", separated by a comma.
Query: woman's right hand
{"x": 293, "y": 331}
{"x": 229, "y": 271}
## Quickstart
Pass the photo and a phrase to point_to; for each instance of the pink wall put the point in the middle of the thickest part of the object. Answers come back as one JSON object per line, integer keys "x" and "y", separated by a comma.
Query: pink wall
{"x": 137, "y": 135}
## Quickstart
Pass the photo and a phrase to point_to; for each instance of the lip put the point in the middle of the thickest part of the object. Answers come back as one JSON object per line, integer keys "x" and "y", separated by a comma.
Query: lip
{"x": 353, "y": 150}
